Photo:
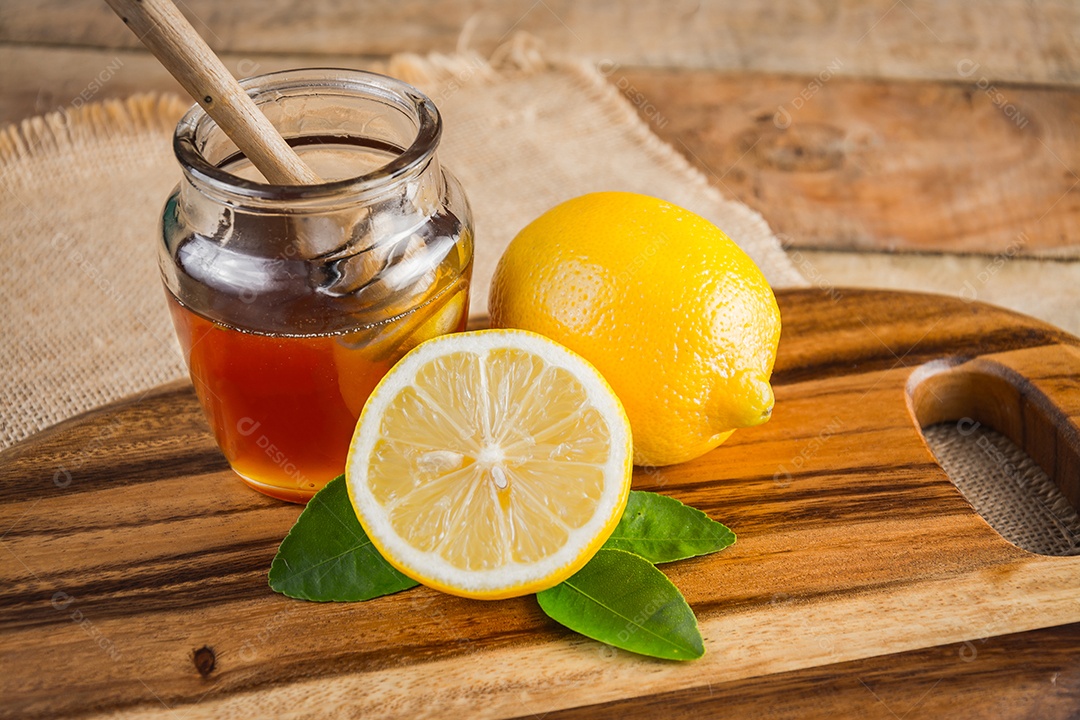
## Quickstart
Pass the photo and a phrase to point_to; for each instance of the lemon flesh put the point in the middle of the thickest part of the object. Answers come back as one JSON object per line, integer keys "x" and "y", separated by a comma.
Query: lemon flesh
{"x": 490, "y": 464}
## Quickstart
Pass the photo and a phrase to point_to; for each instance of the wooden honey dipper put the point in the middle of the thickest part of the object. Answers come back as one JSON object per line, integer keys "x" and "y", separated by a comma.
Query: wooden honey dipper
{"x": 161, "y": 27}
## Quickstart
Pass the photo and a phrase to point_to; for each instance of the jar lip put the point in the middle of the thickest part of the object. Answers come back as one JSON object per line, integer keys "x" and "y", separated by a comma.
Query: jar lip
{"x": 407, "y": 97}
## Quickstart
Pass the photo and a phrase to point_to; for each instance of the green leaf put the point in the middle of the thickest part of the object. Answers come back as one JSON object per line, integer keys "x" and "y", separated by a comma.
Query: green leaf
{"x": 328, "y": 556}
{"x": 621, "y": 599}
{"x": 661, "y": 529}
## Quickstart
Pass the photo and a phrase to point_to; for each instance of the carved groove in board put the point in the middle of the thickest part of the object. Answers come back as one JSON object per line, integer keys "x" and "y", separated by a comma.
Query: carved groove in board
{"x": 987, "y": 425}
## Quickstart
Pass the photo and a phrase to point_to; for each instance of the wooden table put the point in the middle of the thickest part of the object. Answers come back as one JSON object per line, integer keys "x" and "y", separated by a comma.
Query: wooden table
{"x": 883, "y": 140}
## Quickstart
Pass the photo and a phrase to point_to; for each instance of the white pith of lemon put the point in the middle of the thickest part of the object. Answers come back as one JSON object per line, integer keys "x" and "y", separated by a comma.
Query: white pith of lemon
{"x": 490, "y": 464}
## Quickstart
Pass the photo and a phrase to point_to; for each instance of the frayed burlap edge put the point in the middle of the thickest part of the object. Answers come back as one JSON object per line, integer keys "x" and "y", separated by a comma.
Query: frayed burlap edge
{"x": 62, "y": 130}
{"x": 521, "y": 56}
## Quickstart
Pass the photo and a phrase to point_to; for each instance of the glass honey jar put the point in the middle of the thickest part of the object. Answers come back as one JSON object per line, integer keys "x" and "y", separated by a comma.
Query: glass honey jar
{"x": 292, "y": 302}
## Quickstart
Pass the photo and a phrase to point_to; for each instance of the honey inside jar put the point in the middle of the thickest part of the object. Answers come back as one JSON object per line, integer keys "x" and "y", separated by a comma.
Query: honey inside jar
{"x": 283, "y": 408}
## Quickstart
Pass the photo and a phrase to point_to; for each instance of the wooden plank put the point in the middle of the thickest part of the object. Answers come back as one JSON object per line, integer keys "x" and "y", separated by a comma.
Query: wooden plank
{"x": 132, "y": 548}
{"x": 1013, "y": 40}
{"x": 837, "y": 163}
{"x": 864, "y": 165}
{"x": 41, "y": 79}
{"x": 1033, "y": 674}
{"x": 1045, "y": 289}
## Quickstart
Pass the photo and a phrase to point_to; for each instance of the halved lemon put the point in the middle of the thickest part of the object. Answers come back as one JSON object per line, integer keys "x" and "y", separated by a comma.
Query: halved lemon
{"x": 490, "y": 464}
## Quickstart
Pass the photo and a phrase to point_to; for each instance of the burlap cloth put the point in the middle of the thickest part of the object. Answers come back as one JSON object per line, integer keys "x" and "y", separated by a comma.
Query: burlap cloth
{"x": 84, "y": 320}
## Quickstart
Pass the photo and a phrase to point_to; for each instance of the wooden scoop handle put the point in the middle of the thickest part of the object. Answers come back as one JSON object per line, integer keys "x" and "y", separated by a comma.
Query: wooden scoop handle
{"x": 167, "y": 33}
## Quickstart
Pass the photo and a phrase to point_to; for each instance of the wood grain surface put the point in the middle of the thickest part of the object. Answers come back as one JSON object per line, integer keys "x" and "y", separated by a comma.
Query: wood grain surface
{"x": 1024, "y": 675}
{"x": 135, "y": 578}
{"x": 854, "y": 164}
{"x": 1015, "y": 40}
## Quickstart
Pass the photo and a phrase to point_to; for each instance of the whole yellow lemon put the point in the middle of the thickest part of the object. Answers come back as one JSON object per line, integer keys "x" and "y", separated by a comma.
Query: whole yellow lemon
{"x": 677, "y": 318}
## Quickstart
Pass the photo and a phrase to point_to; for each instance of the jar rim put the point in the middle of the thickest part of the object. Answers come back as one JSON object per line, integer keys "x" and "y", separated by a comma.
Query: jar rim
{"x": 418, "y": 105}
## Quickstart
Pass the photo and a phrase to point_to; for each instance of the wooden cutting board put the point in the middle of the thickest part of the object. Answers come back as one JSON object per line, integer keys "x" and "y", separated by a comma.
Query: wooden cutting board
{"x": 134, "y": 571}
